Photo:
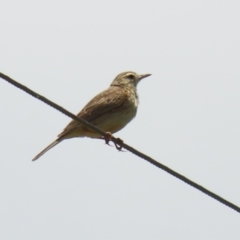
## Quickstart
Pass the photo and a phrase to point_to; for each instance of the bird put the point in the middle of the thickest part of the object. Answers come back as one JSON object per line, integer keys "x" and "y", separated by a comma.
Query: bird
{"x": 110, "y": 110}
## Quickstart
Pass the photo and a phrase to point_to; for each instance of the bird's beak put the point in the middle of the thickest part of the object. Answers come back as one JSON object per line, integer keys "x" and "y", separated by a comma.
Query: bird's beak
{"x": 144, "y": 76}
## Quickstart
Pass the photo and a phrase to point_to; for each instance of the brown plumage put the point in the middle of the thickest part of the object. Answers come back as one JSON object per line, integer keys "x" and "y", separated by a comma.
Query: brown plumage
{"x": 111, "y": 110}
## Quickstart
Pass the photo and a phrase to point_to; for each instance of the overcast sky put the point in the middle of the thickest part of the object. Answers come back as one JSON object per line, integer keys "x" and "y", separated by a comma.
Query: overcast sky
{"x": 188, "y": 119}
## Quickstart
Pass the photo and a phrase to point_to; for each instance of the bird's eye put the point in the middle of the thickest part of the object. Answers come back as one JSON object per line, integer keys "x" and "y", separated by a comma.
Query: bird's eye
{"x": 131, "y": 76}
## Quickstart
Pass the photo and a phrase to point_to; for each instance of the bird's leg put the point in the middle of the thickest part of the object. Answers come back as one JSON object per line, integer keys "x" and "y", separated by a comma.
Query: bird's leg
{"x": 107, "y": 138}
{"x": 118, "y": 144}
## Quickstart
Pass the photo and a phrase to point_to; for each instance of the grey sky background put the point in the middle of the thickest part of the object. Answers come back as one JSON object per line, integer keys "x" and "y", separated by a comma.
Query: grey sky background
{"x": 188, "y": 119}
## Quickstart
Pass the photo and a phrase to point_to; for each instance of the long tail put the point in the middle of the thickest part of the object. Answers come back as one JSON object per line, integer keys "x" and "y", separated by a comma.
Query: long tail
{"x": 47, "y": 148}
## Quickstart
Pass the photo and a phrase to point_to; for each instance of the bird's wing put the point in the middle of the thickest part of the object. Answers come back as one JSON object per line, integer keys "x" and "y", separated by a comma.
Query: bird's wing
{"x": 107, "y": 101}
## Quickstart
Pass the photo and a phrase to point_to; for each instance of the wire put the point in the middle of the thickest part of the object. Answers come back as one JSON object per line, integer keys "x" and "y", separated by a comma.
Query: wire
{"x": 124, "y": 145}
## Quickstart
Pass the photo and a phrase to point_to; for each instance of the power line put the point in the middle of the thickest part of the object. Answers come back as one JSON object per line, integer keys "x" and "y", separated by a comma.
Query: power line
{"x": 124, "y": 145}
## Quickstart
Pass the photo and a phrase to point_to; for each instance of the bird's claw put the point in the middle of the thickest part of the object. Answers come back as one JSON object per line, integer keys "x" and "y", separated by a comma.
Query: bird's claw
{"x": 118, "y": 144}
{"x": 107, "y": 138}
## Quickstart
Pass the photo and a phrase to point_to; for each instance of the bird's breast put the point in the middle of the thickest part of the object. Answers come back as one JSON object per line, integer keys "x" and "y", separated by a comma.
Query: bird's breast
{"x": 118, "y": 118}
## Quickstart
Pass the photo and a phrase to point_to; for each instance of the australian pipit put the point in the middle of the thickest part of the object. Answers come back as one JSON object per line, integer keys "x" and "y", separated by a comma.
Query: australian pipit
{"x": 111, "y": 110}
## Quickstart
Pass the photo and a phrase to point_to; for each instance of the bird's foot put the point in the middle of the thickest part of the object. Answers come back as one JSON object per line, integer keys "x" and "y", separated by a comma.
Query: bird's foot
{"x": 118, "y": 144}
{"x": 107, "y": 138}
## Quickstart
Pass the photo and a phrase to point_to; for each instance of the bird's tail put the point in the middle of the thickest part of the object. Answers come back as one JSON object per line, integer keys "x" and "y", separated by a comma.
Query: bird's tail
{"x": 47, "y": 148}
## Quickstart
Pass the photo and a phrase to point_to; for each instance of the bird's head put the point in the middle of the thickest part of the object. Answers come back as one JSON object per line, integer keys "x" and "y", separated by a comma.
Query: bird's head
{"x": 128, "y": 79}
